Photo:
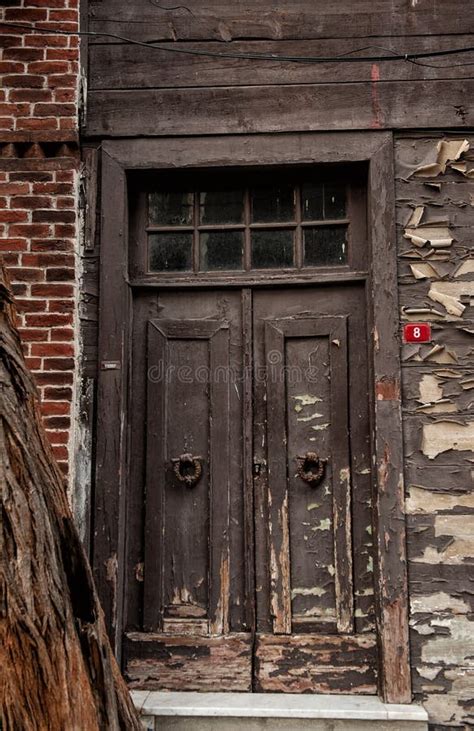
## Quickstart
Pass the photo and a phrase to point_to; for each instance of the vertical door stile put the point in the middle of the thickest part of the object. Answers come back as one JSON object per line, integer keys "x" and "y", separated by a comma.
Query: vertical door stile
{"x": 277, "y": 488}
{"x": 219, "y": 458}
{"x": 247, "y": 457}
{"x": 157, "y": 355}
{"x": 341, "y": 477}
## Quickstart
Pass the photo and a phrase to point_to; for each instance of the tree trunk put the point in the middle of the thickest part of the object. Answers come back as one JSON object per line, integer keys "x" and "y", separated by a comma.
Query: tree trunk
{"x": 57, "y": 669}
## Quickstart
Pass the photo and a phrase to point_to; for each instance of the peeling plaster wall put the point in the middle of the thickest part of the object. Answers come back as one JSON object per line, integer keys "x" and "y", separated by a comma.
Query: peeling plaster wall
{"x": 435, "y": 214}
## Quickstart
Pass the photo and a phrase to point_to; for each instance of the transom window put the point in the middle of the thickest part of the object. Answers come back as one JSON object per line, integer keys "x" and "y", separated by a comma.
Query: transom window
{"x": 270, "y": 225}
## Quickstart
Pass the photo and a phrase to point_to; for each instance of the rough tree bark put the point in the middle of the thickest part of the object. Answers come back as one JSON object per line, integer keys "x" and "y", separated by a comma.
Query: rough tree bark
{"x": 57, "y": 669}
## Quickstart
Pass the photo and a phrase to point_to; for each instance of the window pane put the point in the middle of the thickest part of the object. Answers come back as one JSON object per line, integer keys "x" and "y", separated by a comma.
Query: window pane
{"x": 325, "y": 245}
{"x": 221, "y": 206}
{"x": 170, "y": 252}
{"x": 272, "y": 249}
{"x": 312, "y": 202}
{"x": 273, "y": 204}
{"x": 170, "y": 209}
{"x": 334, "y": 201}
{"x": 221, "y": 250}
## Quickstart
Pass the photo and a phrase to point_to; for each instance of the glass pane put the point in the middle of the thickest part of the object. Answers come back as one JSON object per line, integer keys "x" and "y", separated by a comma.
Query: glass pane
{"x": 325, "y": 246}
{"x": 170, "y": 209}
{"x": 312, "y": 205}
{"x": 170, "y": 252}
{"x": 334, "y": 201}
{"x": 273, "y": 204}
{"x": 221, "y": 250}
{"x": 221, "y": 206}
{"x": 272, "y": 249}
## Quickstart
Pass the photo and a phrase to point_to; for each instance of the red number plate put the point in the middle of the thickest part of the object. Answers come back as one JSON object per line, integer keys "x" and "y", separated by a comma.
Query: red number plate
{"x": 417, "y": 332}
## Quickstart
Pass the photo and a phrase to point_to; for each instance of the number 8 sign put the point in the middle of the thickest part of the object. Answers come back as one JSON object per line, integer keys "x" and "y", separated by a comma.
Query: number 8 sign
{"x": 417, "y": 332}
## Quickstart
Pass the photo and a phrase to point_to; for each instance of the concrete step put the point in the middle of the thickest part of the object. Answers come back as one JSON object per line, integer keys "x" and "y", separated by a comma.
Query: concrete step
{"x": 274, "y": 712}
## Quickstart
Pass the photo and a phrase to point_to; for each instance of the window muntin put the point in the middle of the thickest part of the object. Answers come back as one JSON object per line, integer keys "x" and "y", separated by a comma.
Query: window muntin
{"x": 233, "y": 228}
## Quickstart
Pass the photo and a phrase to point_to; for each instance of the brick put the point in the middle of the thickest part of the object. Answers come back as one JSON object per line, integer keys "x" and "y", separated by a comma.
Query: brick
{"x": 48, "y": 67}
{"x": 27, "y": 81}
{"x": 49, "y": 3}
{"x": 14, "y": 109}
{"x": 30, "y": 95}
{"x": 55, "y": 408}
{"x": 47, "y": 320}
{"x": 51, "y": 245}
{"x": 7, "y": 123}
{"x": 60, "y": 452}
{"x": 11, "y": 67}
{"x": 65, "y": 230}
{"x": 14, "y": 188}
{"x": 41, "y": 40}
{"x": 34, "y": 364}
{"x": 51, "y": 216}
{"x": 60, "y": 25}
{"x": 62, "y": 333}
{"x": 7, "y": 41}
{"x": 32, "y": 305}
{"x": 46, "y": 123}
{"x": 61, "y": 306}
{"x": 35, "y": 177}
{"x": 47, "y": 379}
{"x": 52, "y": 110}
{"x": 53, "y": 349}
{"x": 33, "y": 334}
{"x": 65, "y": 202}
{"x": 23, "y": 274}
{"x": 68, "y": 15}
{"x": 57, "y": 422}
{"x": 10, "y": 260}
{"x": 65, "y": 95}
{"x": 64, "y": 54}
{"x": 56, "y": 393}
{"x": 26, "y": 14}
{"x": 9, "y": 216}
{"x": 19, "y": 290}
{"x": 29, "y": 229}
{"x": 67, "y": 123}
{"x": 45, "y": 260}
{"x": 64, "y": 467}
{"x": 60, "y": 274}
{"x": 62, "y": 80}
{"x": 32, "y": 201}
{"x": 53, "y": 188}
{"x": 24, "y": 54}
{"x": 65, "y": 176}
{"x": 58, "y": 364}
{"x": 52, "y": 290}
{"x": 58, "y": 437}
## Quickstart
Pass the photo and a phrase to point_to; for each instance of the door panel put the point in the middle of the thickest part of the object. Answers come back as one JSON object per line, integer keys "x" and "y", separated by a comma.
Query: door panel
{"x": 311, "y": 345}
{"x": 186, "y": 525}
{"x": 193, "y": 632}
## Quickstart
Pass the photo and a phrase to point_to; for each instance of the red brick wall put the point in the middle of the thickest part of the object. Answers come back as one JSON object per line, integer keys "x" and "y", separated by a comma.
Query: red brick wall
{"x": 38, "y": 183}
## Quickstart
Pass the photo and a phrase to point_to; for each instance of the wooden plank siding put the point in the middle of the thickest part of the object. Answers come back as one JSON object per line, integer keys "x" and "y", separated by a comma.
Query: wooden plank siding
{"x": 135, "y": 91}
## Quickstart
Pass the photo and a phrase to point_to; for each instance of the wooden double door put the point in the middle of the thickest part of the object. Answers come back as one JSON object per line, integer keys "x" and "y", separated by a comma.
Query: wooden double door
{"x": 249, "y": 554}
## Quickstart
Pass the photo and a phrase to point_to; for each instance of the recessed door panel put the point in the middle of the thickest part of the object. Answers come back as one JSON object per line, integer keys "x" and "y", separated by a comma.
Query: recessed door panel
{"x": 313, "y": 442}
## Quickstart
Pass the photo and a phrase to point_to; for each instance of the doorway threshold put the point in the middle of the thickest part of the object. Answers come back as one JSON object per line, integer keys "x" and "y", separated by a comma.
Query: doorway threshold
{"x": 275, "y": 711}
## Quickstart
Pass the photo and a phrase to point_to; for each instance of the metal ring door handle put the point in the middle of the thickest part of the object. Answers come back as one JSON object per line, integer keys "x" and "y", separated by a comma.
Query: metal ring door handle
{"x": 311, "y": 468}
{"x": 188, "y": 469}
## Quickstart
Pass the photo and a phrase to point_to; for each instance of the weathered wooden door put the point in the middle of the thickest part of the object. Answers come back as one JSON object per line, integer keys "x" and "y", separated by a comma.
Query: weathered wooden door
{"x": 315, "y": 627}
{"x": 257, "y": 550}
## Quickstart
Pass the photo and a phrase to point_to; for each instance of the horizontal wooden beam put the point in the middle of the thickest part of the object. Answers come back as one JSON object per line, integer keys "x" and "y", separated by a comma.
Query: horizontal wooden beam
{"x": 256, "y": 109}
{"x": 124, "y": 66}
{"x": 262, "y": 19}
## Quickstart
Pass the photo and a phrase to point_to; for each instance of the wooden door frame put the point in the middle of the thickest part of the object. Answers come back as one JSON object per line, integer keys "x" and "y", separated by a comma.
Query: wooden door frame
{"x": 374, "y": 148}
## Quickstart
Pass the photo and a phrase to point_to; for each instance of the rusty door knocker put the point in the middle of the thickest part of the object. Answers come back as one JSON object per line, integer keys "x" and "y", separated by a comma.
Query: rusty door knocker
{"x": 188, "y": 469}
{"x": 311, "y": 468}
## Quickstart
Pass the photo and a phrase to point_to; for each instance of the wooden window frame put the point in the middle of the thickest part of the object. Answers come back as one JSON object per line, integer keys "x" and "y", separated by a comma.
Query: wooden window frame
{"x": 120, "y": 157}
